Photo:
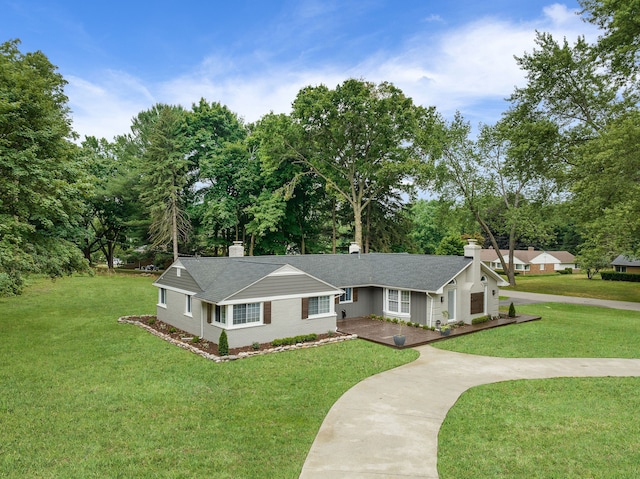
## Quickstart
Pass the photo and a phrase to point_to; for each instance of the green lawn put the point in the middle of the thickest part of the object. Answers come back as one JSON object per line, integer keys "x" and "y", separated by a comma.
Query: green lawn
{"x": 564, "y": 428}
{"x": 570, "y": 428}
{"x": 578, "y": 285}
{"x": 566, "y": 330}
{"x": 82, "y": 396}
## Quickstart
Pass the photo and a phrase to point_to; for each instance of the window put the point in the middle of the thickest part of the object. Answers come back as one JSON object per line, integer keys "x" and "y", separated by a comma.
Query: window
{"x": 319, "y": 305}
{"x": 246, "y": 313}
{"x": 221, "y": 314}
{"x": 162, "y": 297}
{"x": 398, "y": 301}
{"x": 347, "y": 297}
{"x": 187, "y": 308}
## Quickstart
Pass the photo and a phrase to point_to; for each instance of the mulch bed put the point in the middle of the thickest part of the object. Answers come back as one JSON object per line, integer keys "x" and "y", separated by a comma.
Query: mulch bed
{"x": 203, "y": 344}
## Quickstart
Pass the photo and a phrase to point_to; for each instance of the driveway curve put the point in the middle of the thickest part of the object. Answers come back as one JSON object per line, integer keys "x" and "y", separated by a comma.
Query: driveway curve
{"x": 526, "y": 297}
{"x": 387, "y": 425}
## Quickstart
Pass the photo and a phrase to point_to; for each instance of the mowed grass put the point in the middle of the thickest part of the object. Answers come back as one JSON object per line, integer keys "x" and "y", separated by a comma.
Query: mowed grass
{"x": 566, "y": 330}
{"x": 553, "y": 428}
{"x": 82, "y": 396}
{"x": 578, "y": 285}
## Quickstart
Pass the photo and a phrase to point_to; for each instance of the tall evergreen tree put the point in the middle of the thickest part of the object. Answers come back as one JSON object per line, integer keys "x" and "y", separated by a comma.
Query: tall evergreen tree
{"x": 166, "y": 175}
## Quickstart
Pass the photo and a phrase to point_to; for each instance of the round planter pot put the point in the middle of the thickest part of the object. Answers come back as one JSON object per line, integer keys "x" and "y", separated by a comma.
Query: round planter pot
{"x": 445, "y": 332}
{"x": 399, "y": 339}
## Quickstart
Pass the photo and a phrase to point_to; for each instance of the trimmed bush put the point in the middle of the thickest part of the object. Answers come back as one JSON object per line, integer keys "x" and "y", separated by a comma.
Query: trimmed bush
{"x": 223, "y": 344}
{"x": 481, "y": 319}
{"x": 305, "y": 338}
{"x": 614, "y": 276}
{"x": 512, "y": 311}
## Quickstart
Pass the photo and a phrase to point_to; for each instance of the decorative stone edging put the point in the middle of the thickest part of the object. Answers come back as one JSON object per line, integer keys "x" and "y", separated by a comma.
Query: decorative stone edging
{"x": 242, "y": 355}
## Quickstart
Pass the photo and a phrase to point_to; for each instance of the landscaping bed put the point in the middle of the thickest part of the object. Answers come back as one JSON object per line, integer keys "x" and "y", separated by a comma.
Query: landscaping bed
{"x": 210, "y": 350}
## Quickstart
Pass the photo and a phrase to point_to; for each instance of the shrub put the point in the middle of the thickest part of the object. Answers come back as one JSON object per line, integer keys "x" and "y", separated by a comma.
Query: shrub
{"x": 223, "y": 344}
{"x": 566, "y": 271}
{"x": 151, "y": 321}
{"x": 614, "y": 276}
{"x": 481, "y": 319}
{"x": 255, "y": 345}
{"x": 294, "y": 340}
{"x": 512, "y": 311}
{"x": 195, "y": 339}
{"x": 172, "y": 330}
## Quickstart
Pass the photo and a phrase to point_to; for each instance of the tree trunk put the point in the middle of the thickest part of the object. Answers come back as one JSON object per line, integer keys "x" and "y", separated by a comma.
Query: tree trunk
{"x": 252, "y": 243}
{"x": 357, "y": 223}
{"x": 505, "y": 267}
{"x": 174, "y": 228}
{"x": 333, "y": 218}
{"x": 367, "y": 241}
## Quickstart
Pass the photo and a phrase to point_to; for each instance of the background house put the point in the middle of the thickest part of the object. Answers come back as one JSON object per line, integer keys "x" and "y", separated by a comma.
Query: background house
{"x": 261, "y": 298}
{"x": 531, "y": 261}
{"x": 624, "y": 264}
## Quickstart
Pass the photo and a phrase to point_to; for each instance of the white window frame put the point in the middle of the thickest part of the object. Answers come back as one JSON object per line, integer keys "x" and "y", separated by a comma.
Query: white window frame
{"x": 398, "y": 302}
{"x": 320, "y": 301}
{"x": 222, "y": 317}
{"x": 188, "y": 305}
{"x": 162, "y": 297}
{"x": 347, "y": 296}
{"x": 254, "y": 320}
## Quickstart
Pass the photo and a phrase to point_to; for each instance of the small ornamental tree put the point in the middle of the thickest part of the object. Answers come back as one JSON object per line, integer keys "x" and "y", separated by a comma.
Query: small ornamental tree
{"x": 512, "y": 311}
{"x": 223, "y": 344}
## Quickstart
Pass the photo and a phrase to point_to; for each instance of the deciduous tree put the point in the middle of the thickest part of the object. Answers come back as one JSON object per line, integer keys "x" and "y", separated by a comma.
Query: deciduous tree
{"x": 359, "y": 138}
{"x": 42, "y": 180}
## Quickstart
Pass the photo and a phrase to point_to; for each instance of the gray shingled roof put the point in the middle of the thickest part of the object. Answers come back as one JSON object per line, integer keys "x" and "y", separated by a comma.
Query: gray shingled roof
{"x": 623, "y": 260}
{"x": 220, "y": 277}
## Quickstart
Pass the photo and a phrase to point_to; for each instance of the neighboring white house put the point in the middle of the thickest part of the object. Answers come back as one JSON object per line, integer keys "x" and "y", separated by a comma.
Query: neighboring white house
{"x": 531, "y": 261}
{"x": 261, "y": 298}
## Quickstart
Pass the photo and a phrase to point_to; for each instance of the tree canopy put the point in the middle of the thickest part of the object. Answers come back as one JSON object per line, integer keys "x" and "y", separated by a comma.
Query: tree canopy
{"x": 43, "y": 182}
{"x": 558, "y": 169}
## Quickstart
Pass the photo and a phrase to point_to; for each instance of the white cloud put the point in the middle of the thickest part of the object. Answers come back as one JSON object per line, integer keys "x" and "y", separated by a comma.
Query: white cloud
{"x": 105, "y": 107}
{"x": 470, "y": 68}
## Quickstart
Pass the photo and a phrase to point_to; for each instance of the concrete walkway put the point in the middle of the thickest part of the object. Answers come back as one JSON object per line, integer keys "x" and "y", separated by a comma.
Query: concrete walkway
{"x": 552, "y": 298}
{"x": 387, "y": 425}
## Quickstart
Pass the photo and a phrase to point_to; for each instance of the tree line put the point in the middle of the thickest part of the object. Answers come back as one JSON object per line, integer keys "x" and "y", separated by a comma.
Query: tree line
{"x": 559, "y": 170}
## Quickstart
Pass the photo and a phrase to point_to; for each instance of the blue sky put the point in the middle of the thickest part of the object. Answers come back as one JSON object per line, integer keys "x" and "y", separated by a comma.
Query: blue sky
{"x": 254, "y": 56}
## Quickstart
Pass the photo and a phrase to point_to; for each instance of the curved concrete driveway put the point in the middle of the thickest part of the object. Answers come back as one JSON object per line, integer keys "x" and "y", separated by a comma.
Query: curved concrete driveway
{"x": 387, "y": 425}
